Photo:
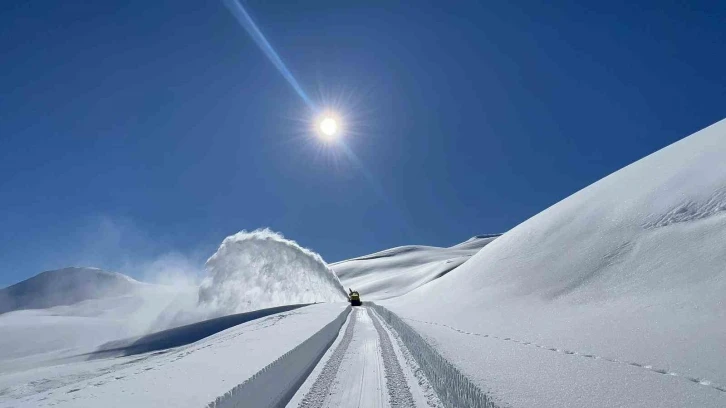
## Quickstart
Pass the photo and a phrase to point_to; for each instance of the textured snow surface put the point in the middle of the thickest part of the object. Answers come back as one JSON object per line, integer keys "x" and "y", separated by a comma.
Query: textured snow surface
{"x": 399, "y": 392}
{"x": 315, "y": 395}
{"x": 188, "y": 376}
{"x": 364, "y": 368}
{"x": 452, "y": 387}
{"x": 253, "y": 270}
{"x": 275, "y": 385}
{"x": 631, "y": 269}
{"x": 397, "y": 271}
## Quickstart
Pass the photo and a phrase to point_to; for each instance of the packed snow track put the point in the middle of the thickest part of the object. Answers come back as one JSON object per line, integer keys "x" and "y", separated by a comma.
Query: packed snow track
{"x": 366, "y": 367}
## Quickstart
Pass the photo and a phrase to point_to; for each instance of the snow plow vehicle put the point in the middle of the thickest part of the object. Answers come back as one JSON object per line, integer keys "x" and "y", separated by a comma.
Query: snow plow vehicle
{"x": 354, "y": 298}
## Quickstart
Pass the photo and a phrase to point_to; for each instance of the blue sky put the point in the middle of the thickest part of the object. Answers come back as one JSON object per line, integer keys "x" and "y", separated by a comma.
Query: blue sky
{"x": 134, "y": 131}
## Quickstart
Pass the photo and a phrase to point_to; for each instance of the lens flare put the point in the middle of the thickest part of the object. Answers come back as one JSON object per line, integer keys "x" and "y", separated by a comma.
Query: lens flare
{"x": 329, "y": 126}
{"x": 245, "y": 20}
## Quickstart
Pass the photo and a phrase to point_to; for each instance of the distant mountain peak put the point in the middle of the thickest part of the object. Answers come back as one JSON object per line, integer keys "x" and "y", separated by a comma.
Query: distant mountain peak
{"x": 64, "y": 286}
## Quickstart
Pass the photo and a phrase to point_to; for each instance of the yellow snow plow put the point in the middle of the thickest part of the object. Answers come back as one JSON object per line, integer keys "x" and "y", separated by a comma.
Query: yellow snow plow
{"x": 354, "y": 298}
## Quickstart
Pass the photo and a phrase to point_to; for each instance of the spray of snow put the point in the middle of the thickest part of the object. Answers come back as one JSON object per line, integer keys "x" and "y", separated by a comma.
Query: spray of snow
{"x": 258, "y": 269}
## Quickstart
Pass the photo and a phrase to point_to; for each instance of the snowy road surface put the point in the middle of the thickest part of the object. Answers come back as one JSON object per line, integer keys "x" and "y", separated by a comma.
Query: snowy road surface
{"x": 364, "y": 368}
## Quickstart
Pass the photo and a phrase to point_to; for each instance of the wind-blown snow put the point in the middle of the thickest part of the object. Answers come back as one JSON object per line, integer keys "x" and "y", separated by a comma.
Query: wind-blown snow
{"x": 617, "y": 292}
{"x": 254, "y": 270}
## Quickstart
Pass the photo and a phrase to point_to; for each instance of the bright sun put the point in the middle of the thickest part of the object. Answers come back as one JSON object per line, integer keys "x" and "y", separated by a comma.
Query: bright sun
{"x": 328, "y": 127}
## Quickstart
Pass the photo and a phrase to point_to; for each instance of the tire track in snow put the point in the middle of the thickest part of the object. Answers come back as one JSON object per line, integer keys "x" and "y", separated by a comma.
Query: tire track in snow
{"x": 315, "y": 398}
{"x": 696, "y": 380}
{"x": 398, "y": 391}
{"x": 417, "y": 375}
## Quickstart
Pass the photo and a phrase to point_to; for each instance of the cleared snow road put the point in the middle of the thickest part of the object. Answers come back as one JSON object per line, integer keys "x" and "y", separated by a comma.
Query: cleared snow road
{"x": 364, "y": 368}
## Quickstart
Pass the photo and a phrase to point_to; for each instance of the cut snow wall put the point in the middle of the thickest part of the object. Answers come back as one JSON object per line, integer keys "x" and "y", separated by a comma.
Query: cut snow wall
{"x": 276, "y": 384}
{"x": 259, "y": 269}
{"x": 453, "y": 388}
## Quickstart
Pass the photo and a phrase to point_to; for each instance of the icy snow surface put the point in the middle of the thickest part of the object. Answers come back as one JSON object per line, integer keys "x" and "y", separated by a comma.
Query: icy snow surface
{"x": 396, "y": 271}
{"x": 612, "y": 297}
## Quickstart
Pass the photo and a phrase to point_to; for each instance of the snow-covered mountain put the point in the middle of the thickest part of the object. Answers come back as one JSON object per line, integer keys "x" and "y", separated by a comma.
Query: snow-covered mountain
{"x": 617, "y": 292}
{"x": 64, "y": 287}
{"x": 70, "y": 311}
{"x": 396, "y": 271}
{"x": 74, "y": 311}
{"x": 612, "y": 297}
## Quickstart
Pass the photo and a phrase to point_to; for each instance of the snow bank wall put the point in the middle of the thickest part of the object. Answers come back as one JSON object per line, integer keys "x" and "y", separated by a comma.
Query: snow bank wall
{"x": 260, "y": 269}
{"x": 275, "y": 385}
{"x": 453, "y": 388}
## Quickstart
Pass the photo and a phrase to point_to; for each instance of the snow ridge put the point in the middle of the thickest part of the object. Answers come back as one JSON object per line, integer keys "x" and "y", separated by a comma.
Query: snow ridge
{"x": 398, "y": 391}
{"x": 453, "y": 388}
{"x": 275, "y": 385}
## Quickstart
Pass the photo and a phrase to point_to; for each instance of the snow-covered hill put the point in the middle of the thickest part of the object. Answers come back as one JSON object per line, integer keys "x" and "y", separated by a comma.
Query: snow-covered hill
{"x": 71, "y": 311}
{"x": 64, "y": 287}
{"x": 612, "y": 297}
{"x": 75, "y": 310}
{"x": 396, "y": 271}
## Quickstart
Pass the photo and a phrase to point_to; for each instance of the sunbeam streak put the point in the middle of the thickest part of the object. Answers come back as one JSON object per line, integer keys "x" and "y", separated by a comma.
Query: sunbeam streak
{"x": 330, "y": 124}
{"x": 245, "y": 20}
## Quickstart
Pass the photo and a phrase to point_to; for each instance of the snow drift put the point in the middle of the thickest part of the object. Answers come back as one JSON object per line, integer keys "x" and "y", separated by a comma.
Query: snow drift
{"x": 630, "y": 270}
{"x": 259, "y": 269}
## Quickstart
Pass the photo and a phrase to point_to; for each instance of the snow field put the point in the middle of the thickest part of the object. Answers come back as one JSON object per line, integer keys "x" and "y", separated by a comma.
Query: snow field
{"x": 186, "y": 376}
{"x": 274, "y": 385}
{"x": 629, "y": 270}
{"x": 525, "y": 375}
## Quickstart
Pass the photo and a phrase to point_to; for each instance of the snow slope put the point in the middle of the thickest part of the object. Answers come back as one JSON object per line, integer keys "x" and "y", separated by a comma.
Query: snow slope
{"x": 188, "y": 376}
{"x": 612, "y": 297}
{"x": 396, "y": 271}
{"x": 76, "y": 310}
{"x": 82, "y": 308}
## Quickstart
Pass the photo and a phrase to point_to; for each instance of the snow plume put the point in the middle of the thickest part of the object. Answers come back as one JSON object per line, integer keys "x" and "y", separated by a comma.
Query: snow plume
{"x": 258, "y": 269}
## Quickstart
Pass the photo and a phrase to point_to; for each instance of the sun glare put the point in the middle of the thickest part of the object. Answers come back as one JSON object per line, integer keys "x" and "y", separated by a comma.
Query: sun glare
{"x": 328, "y": 127}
